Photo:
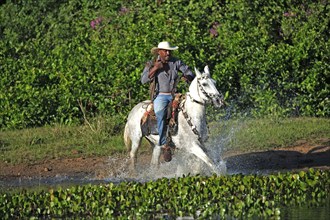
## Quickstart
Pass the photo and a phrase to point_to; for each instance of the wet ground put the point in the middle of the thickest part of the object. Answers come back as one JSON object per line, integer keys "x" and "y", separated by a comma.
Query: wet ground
{"x": 301, "y": 156}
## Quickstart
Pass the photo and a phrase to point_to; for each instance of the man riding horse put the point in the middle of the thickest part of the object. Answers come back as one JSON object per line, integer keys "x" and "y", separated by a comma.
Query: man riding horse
{"x": 162, "y": 73}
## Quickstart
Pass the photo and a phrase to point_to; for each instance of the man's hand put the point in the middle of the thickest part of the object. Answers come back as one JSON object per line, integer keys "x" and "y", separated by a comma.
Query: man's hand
{"x": 157, "y": 65}
{"x": 187, "y": 79}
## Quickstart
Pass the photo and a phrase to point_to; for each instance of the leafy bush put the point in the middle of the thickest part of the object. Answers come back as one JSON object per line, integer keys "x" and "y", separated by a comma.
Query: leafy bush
{"x": 270, "y": 57}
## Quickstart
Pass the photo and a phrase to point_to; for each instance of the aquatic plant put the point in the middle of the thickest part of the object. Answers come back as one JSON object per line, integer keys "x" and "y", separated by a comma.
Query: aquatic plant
{"x": 196, "y": 196}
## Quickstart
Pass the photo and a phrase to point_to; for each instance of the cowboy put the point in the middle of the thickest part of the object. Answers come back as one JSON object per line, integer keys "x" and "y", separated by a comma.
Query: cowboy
{"x": 162, "y": 73}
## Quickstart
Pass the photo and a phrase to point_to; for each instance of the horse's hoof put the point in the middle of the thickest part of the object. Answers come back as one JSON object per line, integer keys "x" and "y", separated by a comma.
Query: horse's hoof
{"x": 167, "y": 153}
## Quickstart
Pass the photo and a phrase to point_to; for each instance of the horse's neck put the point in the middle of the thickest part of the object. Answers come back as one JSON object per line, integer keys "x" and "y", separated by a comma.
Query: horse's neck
{"x": 196, "y": 112}
{"x": 195, "y": 108}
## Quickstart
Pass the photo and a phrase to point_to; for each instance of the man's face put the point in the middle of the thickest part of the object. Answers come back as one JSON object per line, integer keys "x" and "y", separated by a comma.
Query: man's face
{"x": 164, "y": 55}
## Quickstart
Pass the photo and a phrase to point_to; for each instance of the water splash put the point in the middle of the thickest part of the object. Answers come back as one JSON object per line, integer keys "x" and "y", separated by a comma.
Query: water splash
{"x": 182, "y": 163}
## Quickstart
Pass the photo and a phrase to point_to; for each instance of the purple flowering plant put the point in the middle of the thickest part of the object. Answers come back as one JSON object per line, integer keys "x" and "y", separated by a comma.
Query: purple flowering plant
{"x": 96, "y": 22}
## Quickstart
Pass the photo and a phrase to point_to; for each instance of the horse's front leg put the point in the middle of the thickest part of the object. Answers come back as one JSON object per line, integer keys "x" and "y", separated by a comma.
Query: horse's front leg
{"x": 155, "y": 156}
{"x": 197, "y": 150}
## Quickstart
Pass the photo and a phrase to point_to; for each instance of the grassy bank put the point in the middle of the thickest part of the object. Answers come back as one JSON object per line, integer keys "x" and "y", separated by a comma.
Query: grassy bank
{"x": 98, "y": 137}
{"x": 103, "y": 137}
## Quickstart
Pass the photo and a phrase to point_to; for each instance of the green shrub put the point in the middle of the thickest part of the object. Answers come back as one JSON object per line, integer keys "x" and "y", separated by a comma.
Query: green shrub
{"x": 270, "y": 57}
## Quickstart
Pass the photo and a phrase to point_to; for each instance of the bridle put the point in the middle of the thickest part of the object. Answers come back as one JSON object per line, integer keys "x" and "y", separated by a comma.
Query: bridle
{"x": 202, "y": 90}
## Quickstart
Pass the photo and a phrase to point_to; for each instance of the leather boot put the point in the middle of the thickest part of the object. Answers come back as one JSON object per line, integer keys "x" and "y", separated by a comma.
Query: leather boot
{"x": 167, "y": 153}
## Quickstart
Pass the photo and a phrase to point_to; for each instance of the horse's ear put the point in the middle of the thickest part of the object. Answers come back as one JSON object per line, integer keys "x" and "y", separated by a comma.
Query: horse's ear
{"x": 206, "y": 70}
{"x": 198, "y": 74}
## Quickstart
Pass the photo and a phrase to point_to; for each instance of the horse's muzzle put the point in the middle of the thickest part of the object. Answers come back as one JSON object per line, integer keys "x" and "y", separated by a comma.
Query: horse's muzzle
{"x": 218, "y": 101}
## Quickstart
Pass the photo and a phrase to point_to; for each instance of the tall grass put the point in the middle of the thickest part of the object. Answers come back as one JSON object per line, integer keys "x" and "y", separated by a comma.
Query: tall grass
{"x": 103, "y": 137}
{"x": 99, "y": 137}
{"x": 263, "y": 134}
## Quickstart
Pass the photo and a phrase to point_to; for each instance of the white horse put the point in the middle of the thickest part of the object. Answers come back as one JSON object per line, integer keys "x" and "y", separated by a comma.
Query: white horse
{"x": 192, "y": 127}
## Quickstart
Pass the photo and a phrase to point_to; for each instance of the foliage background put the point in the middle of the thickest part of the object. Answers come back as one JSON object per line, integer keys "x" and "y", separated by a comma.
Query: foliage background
{"x": 61, "y": 60}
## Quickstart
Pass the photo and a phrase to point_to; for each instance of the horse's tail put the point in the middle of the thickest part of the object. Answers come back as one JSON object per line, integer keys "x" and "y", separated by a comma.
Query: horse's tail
{"x": 127, "y": 140}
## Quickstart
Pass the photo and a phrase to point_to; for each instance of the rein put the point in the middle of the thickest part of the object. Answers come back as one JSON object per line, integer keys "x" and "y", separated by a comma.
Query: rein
{"x": 194, "y": 100}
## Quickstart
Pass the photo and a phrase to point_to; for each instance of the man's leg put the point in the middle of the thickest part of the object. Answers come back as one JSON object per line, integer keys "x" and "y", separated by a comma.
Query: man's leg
{"x": 160, "y": 107}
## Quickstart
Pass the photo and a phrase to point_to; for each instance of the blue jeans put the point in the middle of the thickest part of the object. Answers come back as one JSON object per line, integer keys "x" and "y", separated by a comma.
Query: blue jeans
{"x": 160, "y": 106}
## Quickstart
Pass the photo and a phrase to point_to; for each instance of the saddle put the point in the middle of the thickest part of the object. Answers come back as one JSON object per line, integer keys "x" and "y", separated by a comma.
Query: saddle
{"x": 149, "y": 120}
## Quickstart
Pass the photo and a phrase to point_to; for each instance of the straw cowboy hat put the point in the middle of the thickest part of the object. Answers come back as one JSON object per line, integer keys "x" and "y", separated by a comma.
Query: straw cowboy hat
{"x": 164, "y": 46}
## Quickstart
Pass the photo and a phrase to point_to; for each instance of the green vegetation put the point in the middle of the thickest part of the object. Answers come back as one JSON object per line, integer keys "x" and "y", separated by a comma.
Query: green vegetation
{"x": 236, "y": 196}
{"x": 70, "y": 74}
{"x": 103, "y": 136}
{"x": 61, "y": 60}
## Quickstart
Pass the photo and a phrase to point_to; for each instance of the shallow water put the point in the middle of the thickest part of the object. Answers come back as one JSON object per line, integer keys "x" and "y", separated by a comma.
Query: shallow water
{"x": 307, "y": 213}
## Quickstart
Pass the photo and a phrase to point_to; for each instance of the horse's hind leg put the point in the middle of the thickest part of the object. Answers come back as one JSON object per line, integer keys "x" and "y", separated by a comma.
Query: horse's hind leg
{"x": 133, "y": 153}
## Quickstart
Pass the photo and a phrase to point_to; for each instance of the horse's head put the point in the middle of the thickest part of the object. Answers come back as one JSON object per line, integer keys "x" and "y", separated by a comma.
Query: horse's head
{"x": 206, "y": 89}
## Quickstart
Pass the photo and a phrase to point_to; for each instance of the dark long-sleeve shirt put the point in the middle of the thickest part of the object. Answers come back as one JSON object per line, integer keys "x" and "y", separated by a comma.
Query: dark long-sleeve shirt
{"x": 167, "y": 80}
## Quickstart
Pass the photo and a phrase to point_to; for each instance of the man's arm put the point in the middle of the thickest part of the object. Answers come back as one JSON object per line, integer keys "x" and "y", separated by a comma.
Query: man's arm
{"x": 188, "y": 75}
{"x": 149, "y": 72}
{"x": 188, "y": 78}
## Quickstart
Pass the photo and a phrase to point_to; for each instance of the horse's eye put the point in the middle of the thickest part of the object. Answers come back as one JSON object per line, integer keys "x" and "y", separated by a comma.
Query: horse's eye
{"x": 204, "y": 84}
